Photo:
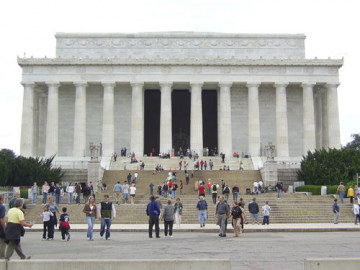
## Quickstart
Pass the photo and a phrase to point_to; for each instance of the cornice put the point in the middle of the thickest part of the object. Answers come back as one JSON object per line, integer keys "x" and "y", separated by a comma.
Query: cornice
{"x": 177, "y": 62}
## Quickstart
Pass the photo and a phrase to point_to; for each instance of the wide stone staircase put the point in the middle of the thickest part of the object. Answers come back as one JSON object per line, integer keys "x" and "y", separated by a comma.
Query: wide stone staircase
{"x": 291, "y": 208}
{"x": 173, "y": 163}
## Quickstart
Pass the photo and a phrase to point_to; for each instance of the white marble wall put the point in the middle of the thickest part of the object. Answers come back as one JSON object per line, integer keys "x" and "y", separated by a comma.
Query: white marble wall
{"x": 66, "y": 119}
{"x": 94, "y": 112}
{"x": 239, "y": 118}
{"x": 122, "y": 117}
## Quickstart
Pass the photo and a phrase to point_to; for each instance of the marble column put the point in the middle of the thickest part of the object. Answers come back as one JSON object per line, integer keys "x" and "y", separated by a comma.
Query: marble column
{"x": 79, "y": 148}
{"x": 254, "y": 119}
{"x": 137, "y": 119}
{"x": 225, "y": 132}
{"x": 108, "y": 144}
{"x": 165, "y": 118}
{"x": 42, "y": 123}
{"x": 324, "y": 118}
{"x": 333, "y": 117}
{"x": 318, "y": 119}
{"x": 196, "y": 119}
{"x": 308, "y": 118}
{"x": 52, "y": 120}
{"x": 282, "y": 133}
{"x": 27, "y": 121}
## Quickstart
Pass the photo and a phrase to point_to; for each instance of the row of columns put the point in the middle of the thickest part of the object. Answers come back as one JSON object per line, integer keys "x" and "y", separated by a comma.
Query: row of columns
{"x": 196, "y": 127}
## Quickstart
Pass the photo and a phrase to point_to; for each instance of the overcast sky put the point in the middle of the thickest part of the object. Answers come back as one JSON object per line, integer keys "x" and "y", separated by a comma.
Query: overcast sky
{"x": 28, "y": 26}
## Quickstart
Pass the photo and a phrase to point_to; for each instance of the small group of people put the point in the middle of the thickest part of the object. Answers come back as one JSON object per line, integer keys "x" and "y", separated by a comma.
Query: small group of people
{"x": 126, "y": 191}
{"x": 170, "y": 188}
{"x": 168, "y": 215}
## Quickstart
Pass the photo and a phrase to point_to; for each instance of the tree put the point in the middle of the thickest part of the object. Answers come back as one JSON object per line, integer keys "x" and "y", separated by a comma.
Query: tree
{"x": 22, "y": 171}
{"x": 329, "y": 167}
{"x": 355, "y": 143}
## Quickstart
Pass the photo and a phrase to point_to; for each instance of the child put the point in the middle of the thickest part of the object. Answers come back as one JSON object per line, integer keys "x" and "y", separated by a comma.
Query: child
{"x": 266, "y": 212}
{"x": 46, "y": 220}
{"x": 356, "y": 211}
{"x": 64, "y": 224}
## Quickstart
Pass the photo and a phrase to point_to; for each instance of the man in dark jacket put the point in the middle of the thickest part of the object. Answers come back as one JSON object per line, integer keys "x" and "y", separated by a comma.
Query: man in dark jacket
{"x": 153, "y": 211}
{"x": 15, "y": 221}
{"x": 254, "y": 211}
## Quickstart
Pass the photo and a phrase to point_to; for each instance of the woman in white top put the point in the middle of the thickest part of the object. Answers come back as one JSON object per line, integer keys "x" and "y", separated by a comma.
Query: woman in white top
{"x": 70, "y": 191}
{"x": 132, "y": 193}
{"x": 45, "y": 191}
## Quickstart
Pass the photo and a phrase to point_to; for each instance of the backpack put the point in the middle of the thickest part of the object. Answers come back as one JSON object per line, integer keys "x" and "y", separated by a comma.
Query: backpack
{"x": 226, "y": 190}
{"x": 236, "y": 212}
{"x": 214, "y": 188}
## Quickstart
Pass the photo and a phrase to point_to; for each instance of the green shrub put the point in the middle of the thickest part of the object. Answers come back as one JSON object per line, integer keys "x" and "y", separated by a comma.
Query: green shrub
{"x": 316, "y": 190}
{"x": 24, "y": 193}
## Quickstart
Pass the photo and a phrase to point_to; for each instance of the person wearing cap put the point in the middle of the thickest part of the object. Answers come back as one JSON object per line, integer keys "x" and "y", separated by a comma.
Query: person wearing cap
{"x": 153, "y": 212}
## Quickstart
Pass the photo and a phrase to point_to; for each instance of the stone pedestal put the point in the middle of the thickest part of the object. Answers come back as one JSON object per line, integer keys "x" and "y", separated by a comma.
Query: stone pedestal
{"x": 270, "y": 174}
{"x": 94, "y": 173}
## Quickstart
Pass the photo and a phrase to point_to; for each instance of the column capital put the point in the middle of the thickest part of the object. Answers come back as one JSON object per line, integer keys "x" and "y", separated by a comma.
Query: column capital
{"x": 335, "y": 84}
{"x": 225, "y": 84}
{"x": 303, "y": 85}
{"x": 165, "y": 84}
{"x": 53, "y": 84}
{"x": 196, "y": 84}
{"x": 108, "y": 84}
{"x": 253, "y": 84}
{"x": 80, "y": 84}
{"x": 31, "y": 84}
{"x": 137, "y": 84}
{"x": 281, "y": 84}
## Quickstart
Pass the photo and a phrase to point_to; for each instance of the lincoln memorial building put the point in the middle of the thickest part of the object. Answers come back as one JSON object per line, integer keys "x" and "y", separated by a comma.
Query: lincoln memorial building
{"x": 164, "y": 91}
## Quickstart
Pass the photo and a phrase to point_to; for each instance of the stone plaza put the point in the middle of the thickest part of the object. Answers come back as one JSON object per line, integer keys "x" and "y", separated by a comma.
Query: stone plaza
{"x": 161, "y": 92}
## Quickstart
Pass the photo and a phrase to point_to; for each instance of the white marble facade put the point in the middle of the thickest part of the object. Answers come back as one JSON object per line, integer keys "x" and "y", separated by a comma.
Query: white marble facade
{"x": 93, "y": 91}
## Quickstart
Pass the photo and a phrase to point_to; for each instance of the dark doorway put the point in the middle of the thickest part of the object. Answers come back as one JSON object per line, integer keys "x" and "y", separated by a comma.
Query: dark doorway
{"x": 152, "y": 122}
{"x": 181, "y": 120}
{"x": 210, "y": 119}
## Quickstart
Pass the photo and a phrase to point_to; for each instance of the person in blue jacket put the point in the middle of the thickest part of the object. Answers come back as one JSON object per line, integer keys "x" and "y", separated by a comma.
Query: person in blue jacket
{"x": 153, "y": 211}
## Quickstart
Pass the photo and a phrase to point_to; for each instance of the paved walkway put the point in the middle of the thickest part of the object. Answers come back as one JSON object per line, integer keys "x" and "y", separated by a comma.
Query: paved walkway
{"x": 283, "y": 227}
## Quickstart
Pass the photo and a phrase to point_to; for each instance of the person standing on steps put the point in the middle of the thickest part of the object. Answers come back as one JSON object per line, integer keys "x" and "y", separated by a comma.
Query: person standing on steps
{"x": 153, "y": 212}
{"x": 125, "y": 192}
{"x": 336, "y": 210}
{"x": 341, "y": 190}
{"x": 266, "y": 212}
{"x": 106, "y": 212}
{"x": 118, "y": 192}
{"x": 35, "y": 192}
{"x": 254, "y": 211}
{"x": 45, "y": 190}
{"x": 202, "y": 209}
{"x": 178, "y": 207}
{"x": 187, "y": 178}
{"x": 151, "y": 186}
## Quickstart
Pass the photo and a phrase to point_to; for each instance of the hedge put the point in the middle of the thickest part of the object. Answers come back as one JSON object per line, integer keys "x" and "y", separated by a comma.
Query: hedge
{"x": 316, "y": 190}
{"x": 24, "y": 193}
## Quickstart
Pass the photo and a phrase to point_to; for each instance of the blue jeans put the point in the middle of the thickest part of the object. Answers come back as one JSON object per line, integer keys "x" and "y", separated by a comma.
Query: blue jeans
{"x": 34, "y": 198}
{"x": 235, "y": 196}
{"x": 209, "y": 191}
{"x": 52, "y": 225}
{"x": 342, "y": 193}
{"x": 266, "y": 220}
{"x": 58, "y": 198}
{"x": 107, "y": 222}
{"x": 78, "y": 198}
{"x": 90, "y": 222}
{"x": 279, "y": 193}
{"x": 44, "y": 198}
{"x": 202, "y": 217}
{"x": 69, "y": 197}
{"x": 173, "y": 194}
{"x": 86, "y": 199}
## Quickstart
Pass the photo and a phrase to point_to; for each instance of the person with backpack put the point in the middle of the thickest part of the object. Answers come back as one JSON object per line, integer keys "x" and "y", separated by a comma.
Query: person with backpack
{"x": 237, "y": 216}
{"x": 214, "y": 190}
{"x": 226, "y": 192}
